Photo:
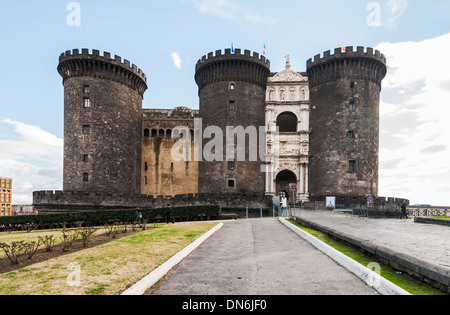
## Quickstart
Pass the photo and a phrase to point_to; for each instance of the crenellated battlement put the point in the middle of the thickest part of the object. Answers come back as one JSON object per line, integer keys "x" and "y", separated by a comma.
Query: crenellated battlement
{"x": 74, "y": 63}
{"x": 219, "y": 55}
{"x": 225, "y": 67}
{"x": 368, "y": 65}
{"x": 360, "y": 52}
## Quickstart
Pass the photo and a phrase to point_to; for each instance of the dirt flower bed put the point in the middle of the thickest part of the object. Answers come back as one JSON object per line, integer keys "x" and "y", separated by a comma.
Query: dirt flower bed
{"x": 57, "y": 251}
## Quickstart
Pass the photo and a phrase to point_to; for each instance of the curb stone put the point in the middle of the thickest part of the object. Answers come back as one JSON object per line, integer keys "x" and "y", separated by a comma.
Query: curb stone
{"x": 368, "y": 276}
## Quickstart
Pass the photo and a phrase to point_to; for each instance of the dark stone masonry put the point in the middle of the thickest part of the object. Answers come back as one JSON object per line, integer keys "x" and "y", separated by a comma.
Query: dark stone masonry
{"x": 109, "y": 140}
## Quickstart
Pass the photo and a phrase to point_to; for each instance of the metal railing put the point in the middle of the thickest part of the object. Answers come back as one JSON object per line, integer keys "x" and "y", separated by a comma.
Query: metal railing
{"x": 428, "y": 212}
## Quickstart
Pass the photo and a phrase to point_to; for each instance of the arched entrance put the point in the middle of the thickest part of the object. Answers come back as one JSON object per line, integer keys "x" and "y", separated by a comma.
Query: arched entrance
{"x": 283, "y": 179}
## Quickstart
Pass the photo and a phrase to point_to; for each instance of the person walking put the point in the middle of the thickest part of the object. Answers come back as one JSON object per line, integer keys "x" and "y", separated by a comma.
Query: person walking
{"x": 404, "y": 213}
{"x": 138, "y": 216}
{"x": 169, "y": 215}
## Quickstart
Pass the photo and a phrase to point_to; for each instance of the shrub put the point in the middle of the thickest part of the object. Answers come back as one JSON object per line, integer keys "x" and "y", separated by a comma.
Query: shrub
{"x": 98, "y": 218}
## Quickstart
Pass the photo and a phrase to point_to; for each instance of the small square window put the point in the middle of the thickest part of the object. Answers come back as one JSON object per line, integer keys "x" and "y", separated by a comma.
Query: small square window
{"x": 232, "y": 86}
{"x": 86, "y": 129}
{"x": 85, "y": 177}
{"x": 86, "y": 158}
{"x": 351, "y": 134}
{"x": 87, "y": 89}
{"x": 231, "y": 183}
{"x": 232, "y": 105}
{"x": 231, "y": 165}
{"x": 352, "y": 166}
{"x": 87, "y": 103}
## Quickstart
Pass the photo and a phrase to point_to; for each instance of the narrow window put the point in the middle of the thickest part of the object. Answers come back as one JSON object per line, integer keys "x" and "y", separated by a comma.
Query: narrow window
{"x": 231, "y": 165}
{"x": 146, "y": 167}
{"x": 232, "y": 105}
{"x": 351, "y": 134}
{"x": 85, "y": 177}
{"x": 86, "y": 158}
{"x": 146, "y": 133}
{"x": 232, "y": 86}
{"x": 171, "y": 167}
{"x": 87, "y": 89}
{"x": 145, "y": 180}
{"x": 352, "y": 166}
{"x": 171, "y": 181}
{"x": 86, "y": 129}
{"x": 87, "y": 102}
{"x": 352, "y": 85}
{"x": 352, "y": 107}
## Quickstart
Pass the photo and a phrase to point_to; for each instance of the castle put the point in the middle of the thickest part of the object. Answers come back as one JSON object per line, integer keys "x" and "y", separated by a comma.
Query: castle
{"x": 300, "y": 135}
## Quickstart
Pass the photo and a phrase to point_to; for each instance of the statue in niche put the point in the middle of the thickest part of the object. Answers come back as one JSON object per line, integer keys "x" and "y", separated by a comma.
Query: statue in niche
{"x": 292, "y": 94}
{"x": 303, "y": 94}
{"x": 271, "y": 92}
{"x": 282, "y": 95}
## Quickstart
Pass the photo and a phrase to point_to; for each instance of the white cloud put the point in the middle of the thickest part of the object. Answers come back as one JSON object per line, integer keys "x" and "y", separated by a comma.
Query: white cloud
{"x": 227, "y": 9}
{"x": 414, "y": 127}
{"x": 395, "y": 9}
{"x": 177, "y": 61}
{"x": 32, "y": 157}
{"x": 220, "y": 8}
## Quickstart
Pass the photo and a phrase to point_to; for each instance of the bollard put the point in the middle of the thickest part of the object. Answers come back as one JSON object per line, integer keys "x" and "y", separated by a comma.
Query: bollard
{"x": 246, "y": 213}
{"x": 260, "y": 210}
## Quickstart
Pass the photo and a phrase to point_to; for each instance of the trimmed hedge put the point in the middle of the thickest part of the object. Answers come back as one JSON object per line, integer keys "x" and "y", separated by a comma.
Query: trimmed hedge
{"x": 100, "y": 217}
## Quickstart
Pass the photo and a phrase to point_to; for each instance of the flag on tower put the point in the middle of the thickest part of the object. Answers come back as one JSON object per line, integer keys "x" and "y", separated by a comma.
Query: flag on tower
{"x": 343, "y": 49}
{"x": 232, "y": 48}
{"x": 265, "y": 49}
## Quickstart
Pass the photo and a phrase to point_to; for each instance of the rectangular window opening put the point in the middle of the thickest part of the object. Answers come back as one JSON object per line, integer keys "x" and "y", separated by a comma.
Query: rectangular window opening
{"x": 231, "y": 183}
{"x": 352, "y": 166}
{"x": 352, "y": 106}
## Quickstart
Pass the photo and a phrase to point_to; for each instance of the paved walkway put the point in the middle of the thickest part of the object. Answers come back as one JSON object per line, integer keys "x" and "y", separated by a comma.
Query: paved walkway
{"x": 426, "y": 242}
{"x": 259, "y": 257}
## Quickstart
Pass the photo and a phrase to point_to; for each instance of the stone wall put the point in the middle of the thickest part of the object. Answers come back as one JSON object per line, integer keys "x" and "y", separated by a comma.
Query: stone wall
{"x": 59, "y": 201}
{"x": 345, "y": 95}
{"x": 163, "y": 173}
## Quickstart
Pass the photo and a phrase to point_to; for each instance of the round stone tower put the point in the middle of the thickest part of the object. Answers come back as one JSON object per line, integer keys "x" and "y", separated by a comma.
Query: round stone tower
{"x": 345, "y": 100}
{"x": 232, "y": 89}
{"x": 102, "y": 122}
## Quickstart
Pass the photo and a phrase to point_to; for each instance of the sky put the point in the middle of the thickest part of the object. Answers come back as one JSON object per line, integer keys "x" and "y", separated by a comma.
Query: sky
{"x": 166, "y": 38}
